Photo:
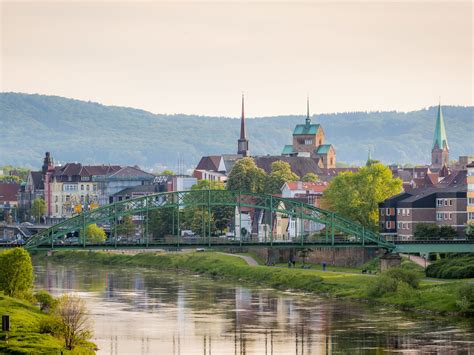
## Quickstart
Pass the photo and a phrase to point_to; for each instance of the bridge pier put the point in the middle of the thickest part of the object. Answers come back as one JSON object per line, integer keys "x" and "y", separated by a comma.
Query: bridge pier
{"x": 390, "y": 260}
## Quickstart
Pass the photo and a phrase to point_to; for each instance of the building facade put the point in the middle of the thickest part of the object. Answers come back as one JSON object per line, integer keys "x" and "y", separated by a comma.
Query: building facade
{"x": 470, "y": 193}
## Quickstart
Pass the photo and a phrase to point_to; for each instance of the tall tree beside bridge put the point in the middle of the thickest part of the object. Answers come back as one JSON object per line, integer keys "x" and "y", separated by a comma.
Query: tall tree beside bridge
{"x": 281, "y": 173}
{"x": 356, "y": 195}
{"x": 246, "y": 176}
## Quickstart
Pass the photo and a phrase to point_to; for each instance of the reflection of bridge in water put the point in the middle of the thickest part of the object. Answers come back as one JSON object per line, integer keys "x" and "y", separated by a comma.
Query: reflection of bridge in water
{"x": 256, "y": 220}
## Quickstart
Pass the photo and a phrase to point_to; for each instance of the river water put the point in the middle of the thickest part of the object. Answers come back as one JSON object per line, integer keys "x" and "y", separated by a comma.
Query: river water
{"x": 137, "y": 311}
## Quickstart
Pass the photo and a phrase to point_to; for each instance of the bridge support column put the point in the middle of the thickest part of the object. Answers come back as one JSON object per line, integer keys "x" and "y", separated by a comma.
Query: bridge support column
{"x": 389, "y": 261}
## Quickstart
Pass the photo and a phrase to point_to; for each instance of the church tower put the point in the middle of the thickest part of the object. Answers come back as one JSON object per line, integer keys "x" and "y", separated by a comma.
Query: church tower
{"x": 243, "y": 143}
{"x": 440, "y": 148}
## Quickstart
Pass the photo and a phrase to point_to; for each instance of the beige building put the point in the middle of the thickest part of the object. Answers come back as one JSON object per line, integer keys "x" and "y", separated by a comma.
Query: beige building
{"x": 470, "y": 193}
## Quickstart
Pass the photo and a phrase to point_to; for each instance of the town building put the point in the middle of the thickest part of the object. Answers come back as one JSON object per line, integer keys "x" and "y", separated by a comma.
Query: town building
{"x": 306, "y": 192}
{"x": 399, "y": 215}
{"x": 9, "y": 192}
{"x": 470, "y": 193}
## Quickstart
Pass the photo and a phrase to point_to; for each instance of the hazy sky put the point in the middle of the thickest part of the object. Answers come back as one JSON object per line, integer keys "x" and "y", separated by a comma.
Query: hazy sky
{"x": 197, "y": 57}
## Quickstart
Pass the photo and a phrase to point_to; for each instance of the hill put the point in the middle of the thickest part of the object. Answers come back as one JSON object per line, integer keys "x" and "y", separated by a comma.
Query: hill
{"x": 89, "y": 132}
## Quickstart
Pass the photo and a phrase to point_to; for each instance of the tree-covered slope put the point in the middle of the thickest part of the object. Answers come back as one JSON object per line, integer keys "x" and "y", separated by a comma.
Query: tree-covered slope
{"x": 89, "y": 132}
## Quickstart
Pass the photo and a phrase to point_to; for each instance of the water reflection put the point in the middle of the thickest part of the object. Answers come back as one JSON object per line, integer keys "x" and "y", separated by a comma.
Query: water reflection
{"x": 149, "y": 312}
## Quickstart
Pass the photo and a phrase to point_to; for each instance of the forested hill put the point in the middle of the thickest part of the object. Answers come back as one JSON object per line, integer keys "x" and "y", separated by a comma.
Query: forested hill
{"x": 89, "y": 132}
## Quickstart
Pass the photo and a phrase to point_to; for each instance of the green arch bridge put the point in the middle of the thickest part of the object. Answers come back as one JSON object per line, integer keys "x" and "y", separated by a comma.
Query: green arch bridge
{"x": 191, "y": 215}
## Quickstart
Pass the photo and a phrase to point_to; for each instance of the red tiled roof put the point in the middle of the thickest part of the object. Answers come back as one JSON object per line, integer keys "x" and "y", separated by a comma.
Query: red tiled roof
{"x": 210, "y": 163}
{"x": 309, "y": 186}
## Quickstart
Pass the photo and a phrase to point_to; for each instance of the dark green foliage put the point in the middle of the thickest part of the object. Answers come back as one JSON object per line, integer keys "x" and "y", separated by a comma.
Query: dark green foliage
{"x": 161, "y": 222}
{"x": 16, "y": 273}
{"x": 426, "y": 231}
{"x": 455, "y": 266}
{"x": 73, "y": 130}
{"x": 447, "y": 232}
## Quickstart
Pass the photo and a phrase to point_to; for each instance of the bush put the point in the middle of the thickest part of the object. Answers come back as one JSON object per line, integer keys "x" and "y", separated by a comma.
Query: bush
{"x": 394, "y": 280}
{"x": 455, "y": 266}
{"x": 465, "y": 301}
{"x": 16, "y": 273}
{"x": 50, "y": 325}
{"x": 47, "y": 302}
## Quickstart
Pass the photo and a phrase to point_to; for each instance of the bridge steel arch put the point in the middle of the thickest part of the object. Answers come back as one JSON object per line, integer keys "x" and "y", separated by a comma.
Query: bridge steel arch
{"x": 337, "y": 230}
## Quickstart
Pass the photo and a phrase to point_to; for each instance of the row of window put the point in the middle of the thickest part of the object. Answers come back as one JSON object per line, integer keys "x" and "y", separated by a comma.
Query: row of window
{"x": 66, "y": 198}
{"x": 444, "y": 202}
{"x": 470, "y": 201}
{"x": 401, "y": 225}
{"x": 443, "y": 216}
{"x": 403, "y": 211}
{"x": 387, "y": 211}
{"x": 73, "y": 187}
{"x": 470, "y": 216}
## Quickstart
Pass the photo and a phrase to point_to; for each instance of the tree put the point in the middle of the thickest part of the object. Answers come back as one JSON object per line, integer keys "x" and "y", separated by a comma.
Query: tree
{"x": 469, "y": 230}
{"x": 161, "y": 222}
{"x": 356, "y": 195}
{"x": 38, "y": 208}
{"x": 426, "y": 231}
{"x": 310, "y": 177}
{"x": 281, "y": 173}
{"x": 127, "y": 227}
{"x": 167, "y": 172}
{"x": 95, "y": 234}
{"x": 447, "y": 232}
{"x": 74, "y": 322}
{"x": 208, "y": 185}
{"x": 47, "y": 302}
{"x": 16, "y": 273}
{"x": 246, "y": 176}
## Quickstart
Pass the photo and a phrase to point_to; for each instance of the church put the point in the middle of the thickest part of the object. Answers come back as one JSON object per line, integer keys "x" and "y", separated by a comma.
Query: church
{"x": 309, "y": 141}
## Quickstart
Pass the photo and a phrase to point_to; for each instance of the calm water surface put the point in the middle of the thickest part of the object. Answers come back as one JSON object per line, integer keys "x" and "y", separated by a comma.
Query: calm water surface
{"x": 138, "y": 311}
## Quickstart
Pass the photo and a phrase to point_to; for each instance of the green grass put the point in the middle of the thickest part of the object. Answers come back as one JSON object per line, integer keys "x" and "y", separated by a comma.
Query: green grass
{"x": 437, "y": 297}
{"x": 25, "y": 336}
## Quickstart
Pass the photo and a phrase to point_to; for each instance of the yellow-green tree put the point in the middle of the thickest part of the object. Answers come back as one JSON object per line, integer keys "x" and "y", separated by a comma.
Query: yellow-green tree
{"x": 357, "y": 195}
{"x": 16, "y": 273}
{"x": 281, "y": 173}
{"x": 310, "y": 177}
{"x": 38, "y": 208}
{"x": 95, "y": 234}
{"x": 246, "y": 176}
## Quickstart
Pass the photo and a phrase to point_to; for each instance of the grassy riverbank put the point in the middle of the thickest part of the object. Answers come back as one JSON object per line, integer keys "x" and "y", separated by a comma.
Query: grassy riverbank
{"x": 25, "y": 336}
{"x": 438, "y": 297}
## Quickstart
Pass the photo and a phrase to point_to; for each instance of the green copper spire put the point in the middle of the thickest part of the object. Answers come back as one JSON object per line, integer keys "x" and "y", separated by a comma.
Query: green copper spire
{"x": 440, "y": 136}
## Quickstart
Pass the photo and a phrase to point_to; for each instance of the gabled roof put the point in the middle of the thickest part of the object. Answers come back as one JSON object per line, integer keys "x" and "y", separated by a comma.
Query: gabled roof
{"x": 37, "y": 180}
{"x": 132, "y": 172}
{"x": 287, "y": 149}
{"x": 323, "y": 149}
{"x": 440, "y": 138}
{"x": 98, "y": 170}
{"x": 210, "y": 163}
{"x": 9, "y": 191}
{"x": 456, "y": 178}
{"x": 304, "y": 129}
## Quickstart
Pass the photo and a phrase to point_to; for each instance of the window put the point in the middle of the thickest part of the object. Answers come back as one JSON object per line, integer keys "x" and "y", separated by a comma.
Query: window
{"x": 450, "y": 202}
{"x": 403, "y": 211}
{"x": 56, "y": 199}
{"x": 399, "y": 225}
{"x": 445, "y": 216}
{"x": 320, "y": 141}
{"x": 408, "y": 211}
{"x": 439, "y": 202}
{"x": 387, "y": 225}
{"x": 87, "y": 187}
{"x": 308, "y": 141}
{"x": 470, "y": 215}
{"x": 470, "y": 201}
{"x": 439, "y": 216}
{"x": 82, "y": 187}
{"x": 387, "y": 211}
{"x": 450, "y": 216}
{"x": 398, "y": 211}
{"x": 56, "y": 208}
{"x": 445, "y": 202}
{"x": 382, "y": 212}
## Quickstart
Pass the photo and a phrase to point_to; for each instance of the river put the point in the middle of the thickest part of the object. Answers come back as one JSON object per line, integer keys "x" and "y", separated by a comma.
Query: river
{"x": 138, "y": 311}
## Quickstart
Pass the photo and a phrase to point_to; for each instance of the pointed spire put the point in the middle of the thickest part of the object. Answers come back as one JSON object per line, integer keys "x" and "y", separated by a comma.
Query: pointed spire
{"x": 369, "y": 156}
{"x": 440, "y": 138}
{"x": 243, "y": 132}
{"x": 308, "y": 119}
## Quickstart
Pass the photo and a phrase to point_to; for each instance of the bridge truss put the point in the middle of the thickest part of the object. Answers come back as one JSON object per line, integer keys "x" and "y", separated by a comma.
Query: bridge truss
{"x": 311, "y": 226}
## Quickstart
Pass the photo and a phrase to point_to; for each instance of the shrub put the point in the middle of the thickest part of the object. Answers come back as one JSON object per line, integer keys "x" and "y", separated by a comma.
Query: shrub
{"x": 465, "y": 301}
{"x": 50, "y": 325}
{"x": 381, "y": 286}
{"x": 411, "y": 277}
{"x": 16, "y": 273}
{"x": 394, "y": 280}
{"x": 47, "y": 302}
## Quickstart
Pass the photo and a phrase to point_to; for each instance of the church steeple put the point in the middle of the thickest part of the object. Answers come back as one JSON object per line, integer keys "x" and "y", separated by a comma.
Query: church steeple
{"x": 440, "y": 147}
{"x": 243, "y": 143}
{"x": 308, "y": 119}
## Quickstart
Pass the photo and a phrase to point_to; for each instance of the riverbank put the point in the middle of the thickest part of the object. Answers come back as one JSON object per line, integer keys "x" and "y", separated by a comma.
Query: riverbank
{"x": 439, "y": 297}
{"x": 26, "y": 336}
